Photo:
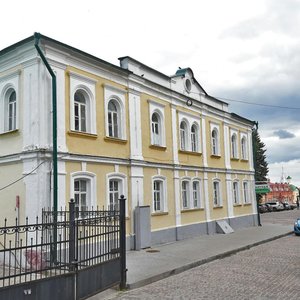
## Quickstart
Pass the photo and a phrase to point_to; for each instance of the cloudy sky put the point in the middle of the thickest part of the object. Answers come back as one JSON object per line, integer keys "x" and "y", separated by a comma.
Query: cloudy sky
{"x": 242, "y": 50}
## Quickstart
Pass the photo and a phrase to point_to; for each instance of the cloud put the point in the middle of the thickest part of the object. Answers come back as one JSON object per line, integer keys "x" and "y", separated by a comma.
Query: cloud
{"x": 284, "y": 134}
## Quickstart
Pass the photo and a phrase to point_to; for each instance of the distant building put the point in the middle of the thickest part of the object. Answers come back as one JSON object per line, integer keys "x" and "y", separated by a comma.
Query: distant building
{"x": 281, "y": 192}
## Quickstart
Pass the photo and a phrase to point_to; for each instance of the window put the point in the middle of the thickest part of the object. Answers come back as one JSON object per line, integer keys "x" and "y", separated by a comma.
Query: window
{"x": 156, "y": 129}
{"x": 244, "y": 148}
{"x": 185, "y": 194}
{"x": 245, "y": 192}
{"x": 194, "y": 138}
{"x": 80, "y": 111}
{"x": 114, "y": 194}
{"x": 81, "y": 195}
{"x": 183, "y": 136}
{"x": 11, "y": 102}
{"x": 216, "y": 193}
{"x": 159, "y": 195}
{"x": 234, "y": 152}
{"x": 215, "y": 142}
{"x": 113, "y": 119}
{"x": 196, "y": 194}
{"x": 235, "y": 191}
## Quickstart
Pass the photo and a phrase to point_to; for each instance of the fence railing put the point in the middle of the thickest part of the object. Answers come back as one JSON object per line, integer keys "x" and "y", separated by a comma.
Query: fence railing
{"x": 61, "y": 242}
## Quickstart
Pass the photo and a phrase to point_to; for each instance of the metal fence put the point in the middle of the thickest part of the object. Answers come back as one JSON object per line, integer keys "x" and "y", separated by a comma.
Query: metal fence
{"x": 61, "y": 242}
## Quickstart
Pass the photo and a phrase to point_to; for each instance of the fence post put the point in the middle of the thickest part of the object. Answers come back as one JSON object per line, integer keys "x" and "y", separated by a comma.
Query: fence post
{"x": 72, "y": 235}
{"x": 122, "y": 243}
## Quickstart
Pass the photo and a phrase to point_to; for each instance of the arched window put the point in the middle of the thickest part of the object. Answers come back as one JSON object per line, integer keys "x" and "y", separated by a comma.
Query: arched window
{"x": 215, "y": 142}
{"x": 246, "y": 192}
{"x": 81, "y": 195}
{"x": 183, "y": 135}
{"x": 115, "y": 191}
{"x": 10, "y": 110}
{"x": 159, "y": 196}
{"x": 234, "y": 152}
{"x": 156, "y": 129}
{"x": 216, "y": 193}
{"x": 81, "y": 107}
{"x": 244, "y": 148}
{"x": 236, "y": 192}
{"x": 114, "y": 119}
{"x": 194, "y": 138}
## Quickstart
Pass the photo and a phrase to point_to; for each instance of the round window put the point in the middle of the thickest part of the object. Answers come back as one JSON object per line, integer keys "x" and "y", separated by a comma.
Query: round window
{"x": 188, "y": 85}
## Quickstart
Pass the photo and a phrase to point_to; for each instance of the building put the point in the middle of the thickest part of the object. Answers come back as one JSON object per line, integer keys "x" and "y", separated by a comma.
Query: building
{"x": 160, "y": 140}
{"x": 283, "y": 192}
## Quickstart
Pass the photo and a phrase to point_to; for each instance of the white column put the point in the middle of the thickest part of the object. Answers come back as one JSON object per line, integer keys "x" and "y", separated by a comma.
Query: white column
{"x": 229, "y": 195}
{"x": 177, "y": 198}
{"x": 174, "y": 135}
{"x": 227, "y": 147}
{"x": 206, "y": 197}
{"x": 135, "y": 125}
{"x": 204, "y": 143}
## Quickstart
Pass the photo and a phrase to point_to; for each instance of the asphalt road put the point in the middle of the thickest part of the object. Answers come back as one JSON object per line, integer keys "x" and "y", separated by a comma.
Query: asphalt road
{"x": 268, "y": 271}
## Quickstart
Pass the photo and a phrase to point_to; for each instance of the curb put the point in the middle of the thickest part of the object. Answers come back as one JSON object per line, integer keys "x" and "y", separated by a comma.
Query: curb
{"x": 178, "y": 270}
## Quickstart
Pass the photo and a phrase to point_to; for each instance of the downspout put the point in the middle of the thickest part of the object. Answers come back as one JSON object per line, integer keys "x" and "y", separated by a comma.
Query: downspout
{"x": 37, "y": 37}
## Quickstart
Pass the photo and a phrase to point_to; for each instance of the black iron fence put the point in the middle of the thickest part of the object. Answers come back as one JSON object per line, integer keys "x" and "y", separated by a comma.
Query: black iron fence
{"x": 63, "y": 242}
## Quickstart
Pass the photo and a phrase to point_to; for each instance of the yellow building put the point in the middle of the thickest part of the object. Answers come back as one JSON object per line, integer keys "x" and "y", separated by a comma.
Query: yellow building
{"x": 160, "y": 140}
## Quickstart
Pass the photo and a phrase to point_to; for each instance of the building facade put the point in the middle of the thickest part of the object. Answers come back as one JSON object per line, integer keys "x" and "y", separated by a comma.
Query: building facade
{"x": 160, "y": 140}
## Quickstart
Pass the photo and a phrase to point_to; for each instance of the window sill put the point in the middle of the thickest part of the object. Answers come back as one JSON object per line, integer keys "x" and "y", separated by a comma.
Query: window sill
{"x": 190, "y": 152}
{"x": 215, "y": 156}
{"x": 237, "y": 205}
{"x": 218, "y": 207}
{"x": 244, "y": 159}
{"x": 186, "y": 210}
{"x": 115, "y": 140}
{"x": 234, "y": 158}
{"x": 158, "y": 147}
{"x": 83, "y": 134}
{"x": 247, "y": 204}
{"x": 9, "y": 132}
{"x": 162, "y": 213}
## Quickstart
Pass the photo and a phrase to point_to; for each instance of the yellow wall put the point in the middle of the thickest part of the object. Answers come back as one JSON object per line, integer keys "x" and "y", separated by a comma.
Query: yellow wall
{"x": 99, "y": 144}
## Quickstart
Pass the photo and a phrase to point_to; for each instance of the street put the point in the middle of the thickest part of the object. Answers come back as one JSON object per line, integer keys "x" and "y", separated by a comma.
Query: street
{"x": 267, "y": 271}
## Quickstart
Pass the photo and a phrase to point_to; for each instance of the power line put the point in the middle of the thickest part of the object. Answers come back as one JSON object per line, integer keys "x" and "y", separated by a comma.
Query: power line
{"x": 258, "y": 104}
{"x": 22, "y": 177}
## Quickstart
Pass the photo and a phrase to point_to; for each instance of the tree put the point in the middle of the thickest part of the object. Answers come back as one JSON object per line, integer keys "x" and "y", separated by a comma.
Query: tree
{"x": 261, "y": 165}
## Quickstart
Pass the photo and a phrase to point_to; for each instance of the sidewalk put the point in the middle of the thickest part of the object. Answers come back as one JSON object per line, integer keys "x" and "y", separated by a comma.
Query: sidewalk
{"x": 149, "y": 265}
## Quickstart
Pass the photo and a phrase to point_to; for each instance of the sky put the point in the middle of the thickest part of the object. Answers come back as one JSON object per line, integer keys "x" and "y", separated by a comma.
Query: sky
{"x": 245, "y": 52}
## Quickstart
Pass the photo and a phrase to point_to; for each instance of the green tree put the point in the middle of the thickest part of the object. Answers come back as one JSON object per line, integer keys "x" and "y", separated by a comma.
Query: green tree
{"x": 261, "y": 165}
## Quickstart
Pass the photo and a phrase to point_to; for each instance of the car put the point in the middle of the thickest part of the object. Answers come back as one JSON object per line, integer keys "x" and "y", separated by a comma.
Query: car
{"x": 263, "y": 208}
{"x": 286, "y": 205}
{"x": 297, "y": 227}
{"x": 275, "y": 205}
{"x": 293, "y": 206}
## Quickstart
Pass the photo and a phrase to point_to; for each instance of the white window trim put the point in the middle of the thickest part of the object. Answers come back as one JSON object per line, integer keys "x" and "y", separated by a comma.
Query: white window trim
{"x": 112, "y": 93}
{"x": 189, "y": 120}
{"x": 4, "y": 88}
{"x": 248, "y": 192}
{"x": 244, "y": 157}
{"x": 90, "y": 111}
{"x": 200, "y": 204}
{"x": 189, "y": 196}
{"x": 220, "y": 200}
{"x": 164, "y": 203}
{"x": 93, "y": 188}
{"x": 160, "y": 110}
{"x": 237, "y": 183}
{"x": 121, "y": 177}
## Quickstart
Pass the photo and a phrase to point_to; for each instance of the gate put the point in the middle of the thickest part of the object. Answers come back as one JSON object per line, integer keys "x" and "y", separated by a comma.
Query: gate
{"x": 68, "y": 255}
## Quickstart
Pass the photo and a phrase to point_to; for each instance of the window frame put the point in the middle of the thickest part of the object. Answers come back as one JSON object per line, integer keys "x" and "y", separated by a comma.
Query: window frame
{"x": 163, "y": 199}
{"x": 195, "y": 138}
{"x": 234, "y": 146}
{"x": 187, "y": 194}
{"x": 156, "y": 139}
{"x": 244, "y": 147}
{"x": 215, "y": 142}
{"x": 235, "y": 192}
{"x": 90, "y": 178}
{"x": 79, "y": 104}
{"x": 246, "y": 195}
{"x": 199, "y": 192}
{"x": 111, "y": 115}
{"x": 183, "y": 135}
{"x": 217, "y": 193}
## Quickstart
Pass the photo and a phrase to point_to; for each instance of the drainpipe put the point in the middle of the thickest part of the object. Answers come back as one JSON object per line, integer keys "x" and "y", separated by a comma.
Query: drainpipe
{"x": 37, "y": 37}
